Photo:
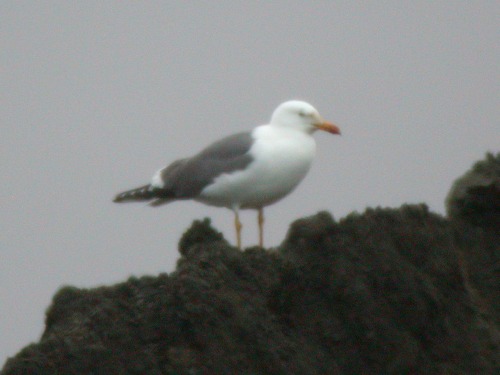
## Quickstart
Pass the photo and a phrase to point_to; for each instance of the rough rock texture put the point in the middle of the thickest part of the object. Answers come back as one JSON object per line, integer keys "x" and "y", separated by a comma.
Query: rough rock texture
{"x": 388, "y": 291}
{"x": 475, "y": 197}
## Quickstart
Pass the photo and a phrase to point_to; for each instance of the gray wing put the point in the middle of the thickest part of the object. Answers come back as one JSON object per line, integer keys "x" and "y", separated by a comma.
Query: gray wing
{"x": 185, "y": 178}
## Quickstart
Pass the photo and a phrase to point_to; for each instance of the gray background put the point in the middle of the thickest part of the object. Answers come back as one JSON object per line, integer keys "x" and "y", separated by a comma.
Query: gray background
{"x": 95, "y": 96}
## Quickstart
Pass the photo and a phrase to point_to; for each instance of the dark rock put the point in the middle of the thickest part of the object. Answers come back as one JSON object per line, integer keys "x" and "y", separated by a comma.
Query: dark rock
{"x": 475, "y": 197}
{"x": 388, "y": 291}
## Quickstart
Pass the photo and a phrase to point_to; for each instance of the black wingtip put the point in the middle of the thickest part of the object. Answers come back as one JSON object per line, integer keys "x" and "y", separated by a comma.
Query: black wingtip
{"x": 121, "y": 197}
{"x": 139, "y": 194}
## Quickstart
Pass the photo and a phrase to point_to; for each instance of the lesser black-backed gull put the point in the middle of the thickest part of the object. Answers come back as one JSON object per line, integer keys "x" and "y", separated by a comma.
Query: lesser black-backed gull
{"x": 248, "y": 170}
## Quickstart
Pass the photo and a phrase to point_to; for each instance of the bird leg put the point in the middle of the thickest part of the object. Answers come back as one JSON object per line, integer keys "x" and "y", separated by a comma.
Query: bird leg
{"x": 260, "y": 220}
{"x": 238, "y": 226}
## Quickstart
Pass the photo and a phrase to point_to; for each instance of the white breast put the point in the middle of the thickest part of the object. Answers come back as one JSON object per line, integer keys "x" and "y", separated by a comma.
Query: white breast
{"x": 282, "y": 157}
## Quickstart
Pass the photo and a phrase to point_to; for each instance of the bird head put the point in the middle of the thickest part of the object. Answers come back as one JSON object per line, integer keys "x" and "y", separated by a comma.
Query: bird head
{"x": 301, "y": 116}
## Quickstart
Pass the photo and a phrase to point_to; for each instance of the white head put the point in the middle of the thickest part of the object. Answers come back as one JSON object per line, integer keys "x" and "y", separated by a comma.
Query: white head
{"x": 301, "y": 116}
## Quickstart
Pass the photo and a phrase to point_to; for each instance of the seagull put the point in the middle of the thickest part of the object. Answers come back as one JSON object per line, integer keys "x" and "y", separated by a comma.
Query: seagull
{"x": 249, "y": 170}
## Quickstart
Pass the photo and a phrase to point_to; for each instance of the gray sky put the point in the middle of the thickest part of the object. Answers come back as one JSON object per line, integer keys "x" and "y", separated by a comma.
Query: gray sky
{"x": 98, "y": 95}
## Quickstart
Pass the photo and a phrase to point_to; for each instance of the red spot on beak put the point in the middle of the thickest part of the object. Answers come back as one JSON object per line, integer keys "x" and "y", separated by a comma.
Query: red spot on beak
{"x": 328, "y": 127}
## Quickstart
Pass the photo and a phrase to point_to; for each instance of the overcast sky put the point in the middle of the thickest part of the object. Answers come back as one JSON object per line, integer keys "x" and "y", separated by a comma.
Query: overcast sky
{"x": 97, "y": 95}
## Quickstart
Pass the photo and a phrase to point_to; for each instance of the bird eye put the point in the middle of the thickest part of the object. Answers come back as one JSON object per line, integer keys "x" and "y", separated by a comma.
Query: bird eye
{"x": 302, "y": 114}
